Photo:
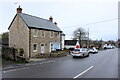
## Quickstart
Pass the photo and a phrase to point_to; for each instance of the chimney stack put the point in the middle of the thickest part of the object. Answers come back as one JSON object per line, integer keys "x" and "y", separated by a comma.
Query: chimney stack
{"x": 51, "y": 19}
{"x": 19, "y": 10}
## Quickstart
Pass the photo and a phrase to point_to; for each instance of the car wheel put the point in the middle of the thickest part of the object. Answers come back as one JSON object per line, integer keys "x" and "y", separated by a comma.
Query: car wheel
{"x": 83, "y": 56}
{"x": 74, "y": 56}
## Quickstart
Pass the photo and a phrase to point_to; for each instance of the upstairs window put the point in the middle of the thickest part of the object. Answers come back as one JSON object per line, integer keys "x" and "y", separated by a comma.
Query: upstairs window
{"x": 42, "y": 33}
{"x": 58, "y": 34}
{"x": 35, "y": 33}
{"x": 51, "y": 34}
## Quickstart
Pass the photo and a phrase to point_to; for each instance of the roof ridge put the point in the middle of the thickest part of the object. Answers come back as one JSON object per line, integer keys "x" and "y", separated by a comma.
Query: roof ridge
{"x": 34, "y": 16}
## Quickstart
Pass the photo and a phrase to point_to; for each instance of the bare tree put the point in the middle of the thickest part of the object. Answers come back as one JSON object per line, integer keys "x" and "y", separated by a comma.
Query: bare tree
{"x": 79, "y": 34}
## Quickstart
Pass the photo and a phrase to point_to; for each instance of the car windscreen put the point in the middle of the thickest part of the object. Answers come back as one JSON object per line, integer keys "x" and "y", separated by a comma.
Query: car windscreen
{"x": 76, "y": 50}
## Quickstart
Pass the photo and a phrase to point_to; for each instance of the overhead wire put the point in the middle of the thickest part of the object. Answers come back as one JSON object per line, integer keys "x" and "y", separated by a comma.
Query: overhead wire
{"x": 92, "y": 23}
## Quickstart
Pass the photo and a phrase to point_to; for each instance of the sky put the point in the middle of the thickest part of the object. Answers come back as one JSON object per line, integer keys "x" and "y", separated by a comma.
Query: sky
{"x": 99, "y": 16}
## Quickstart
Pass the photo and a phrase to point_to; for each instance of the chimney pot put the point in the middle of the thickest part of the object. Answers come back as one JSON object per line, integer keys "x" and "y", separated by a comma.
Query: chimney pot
{"x": 55, "y": 23}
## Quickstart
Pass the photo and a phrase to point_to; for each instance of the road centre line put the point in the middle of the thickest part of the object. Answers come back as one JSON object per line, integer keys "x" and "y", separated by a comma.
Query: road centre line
{"x": 83, "y": 72}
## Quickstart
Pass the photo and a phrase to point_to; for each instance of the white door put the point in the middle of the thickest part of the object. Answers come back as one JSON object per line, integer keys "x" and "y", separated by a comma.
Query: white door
{"x": 42, "y": 48}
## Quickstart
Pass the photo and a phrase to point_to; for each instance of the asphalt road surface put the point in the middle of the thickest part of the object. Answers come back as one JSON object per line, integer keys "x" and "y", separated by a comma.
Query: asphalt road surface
{"x": 104, "y": 64}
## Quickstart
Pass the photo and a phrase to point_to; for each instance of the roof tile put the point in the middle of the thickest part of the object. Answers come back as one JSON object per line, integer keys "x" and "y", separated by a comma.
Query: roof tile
{"x": 36, "y": 22}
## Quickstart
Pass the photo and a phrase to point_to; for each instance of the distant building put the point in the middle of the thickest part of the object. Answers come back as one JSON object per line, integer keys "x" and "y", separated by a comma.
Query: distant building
{"x": 63, "y": 41}
{"x": 33, "y": 34}
{"x": 70, "y": 44}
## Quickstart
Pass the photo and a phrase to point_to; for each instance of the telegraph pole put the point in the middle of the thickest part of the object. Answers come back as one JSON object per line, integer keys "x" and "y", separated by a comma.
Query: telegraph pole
{"x": 80, "y": 38}
{"x": 88, "y": 38}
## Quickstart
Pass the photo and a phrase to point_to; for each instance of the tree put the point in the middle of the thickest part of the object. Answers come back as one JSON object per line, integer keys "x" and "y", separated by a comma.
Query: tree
{"x": 5, "y": 38}
{"x": 5, "y": 35}
{"x": 80, "y": 34}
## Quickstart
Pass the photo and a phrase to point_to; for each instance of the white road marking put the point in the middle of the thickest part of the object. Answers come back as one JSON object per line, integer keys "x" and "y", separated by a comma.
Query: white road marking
{"x": 15, "y": 69}
{"x": 26, "y": 67}
{"x": 83, "y": 72}
{"x": 9, "y": 70}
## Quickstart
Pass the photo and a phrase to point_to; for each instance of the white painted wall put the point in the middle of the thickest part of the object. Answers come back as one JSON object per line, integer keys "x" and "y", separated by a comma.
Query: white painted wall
{"x": 68, "y": 46}
{"x": 55, "y": 46}
{"x": 63, "y": 42}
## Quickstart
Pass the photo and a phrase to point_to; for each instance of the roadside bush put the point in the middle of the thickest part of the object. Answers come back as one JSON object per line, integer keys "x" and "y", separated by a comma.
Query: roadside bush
{"x": 21, "y": 51}
{"x": 53, "y": 54}
{"x": 21, "y": 59}
{"x": 7, "y": 58}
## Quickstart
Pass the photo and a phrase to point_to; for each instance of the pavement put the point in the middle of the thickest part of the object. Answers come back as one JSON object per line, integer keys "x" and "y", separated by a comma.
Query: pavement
{"x": 32, "y": 61}
{"x": 12, "y": 65}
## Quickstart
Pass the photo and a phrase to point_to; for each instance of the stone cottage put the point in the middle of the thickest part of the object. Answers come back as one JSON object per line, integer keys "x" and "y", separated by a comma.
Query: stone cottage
{"x": 33, "y": 34}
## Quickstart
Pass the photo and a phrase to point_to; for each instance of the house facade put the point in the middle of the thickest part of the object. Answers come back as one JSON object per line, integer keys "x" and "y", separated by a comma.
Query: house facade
{"x": 33, "y": 34}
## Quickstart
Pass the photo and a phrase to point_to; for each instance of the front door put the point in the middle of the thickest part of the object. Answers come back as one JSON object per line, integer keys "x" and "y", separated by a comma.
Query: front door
{"x": 42, "y": 48}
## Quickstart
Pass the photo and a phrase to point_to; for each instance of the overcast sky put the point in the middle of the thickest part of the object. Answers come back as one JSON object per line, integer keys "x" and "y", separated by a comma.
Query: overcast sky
{"x": 100, "y": 16}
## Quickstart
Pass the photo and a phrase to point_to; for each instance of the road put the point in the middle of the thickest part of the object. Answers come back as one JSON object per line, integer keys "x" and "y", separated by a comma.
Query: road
{"x": 101, "y": 65}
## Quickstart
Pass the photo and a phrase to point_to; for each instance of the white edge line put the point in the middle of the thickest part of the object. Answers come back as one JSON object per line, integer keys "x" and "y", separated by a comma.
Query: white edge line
{"x": 83, "y": 72}
{"x": 15, "y": 69}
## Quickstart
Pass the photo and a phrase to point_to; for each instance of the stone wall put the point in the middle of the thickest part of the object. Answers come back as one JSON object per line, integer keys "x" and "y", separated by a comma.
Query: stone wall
{"x": 19, "y": 35}
{"x": 43, "y": 40}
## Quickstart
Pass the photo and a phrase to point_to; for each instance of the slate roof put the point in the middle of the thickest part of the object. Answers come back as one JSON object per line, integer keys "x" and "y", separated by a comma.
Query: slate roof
{"x": 37, "y": 22}
{"x": 71, "y": 42}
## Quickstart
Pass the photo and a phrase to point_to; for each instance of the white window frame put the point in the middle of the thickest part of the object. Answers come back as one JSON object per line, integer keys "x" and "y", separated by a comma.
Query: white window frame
{"x": 51, "y": 33}
{"x": 34, "y": 33}
{"x": 43, "y": 32}
{"x": 36, "y": 47}
{"x": 51, "y": 46}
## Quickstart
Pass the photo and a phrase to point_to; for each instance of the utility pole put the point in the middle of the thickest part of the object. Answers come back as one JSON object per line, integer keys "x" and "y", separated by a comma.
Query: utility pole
{"x": 88, "y": 39}
{"x": 101, "y": 43}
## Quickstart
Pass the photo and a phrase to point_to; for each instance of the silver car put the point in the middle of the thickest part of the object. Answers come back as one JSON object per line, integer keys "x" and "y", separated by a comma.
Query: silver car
{"x": 81, "y": 52}
{"x": 93, "y": 50}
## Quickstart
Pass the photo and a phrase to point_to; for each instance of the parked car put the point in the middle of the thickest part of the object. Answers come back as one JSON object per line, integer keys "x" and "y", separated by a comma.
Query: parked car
{"x": 92, "y": 50}
{"x": 80, "y": 52}
{"x": 108, "y": 46}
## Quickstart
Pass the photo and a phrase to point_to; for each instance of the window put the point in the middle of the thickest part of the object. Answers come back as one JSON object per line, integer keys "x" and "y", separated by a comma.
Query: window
{"x": 76, "y": 50}
{"x": 51, "y": 47}
{"x": 34, "y": 47}
{"x": 42, "y": 33}
{"x": 58, "y": 34}
{"x": 51, "y": 34}
{"x": 35, "y": 33}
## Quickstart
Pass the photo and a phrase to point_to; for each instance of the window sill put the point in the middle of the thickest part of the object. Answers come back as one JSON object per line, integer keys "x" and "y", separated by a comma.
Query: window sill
{"x": 34, "y": 36}
{"x": 51, "y": 37}
{"x": 35, "y": 51}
